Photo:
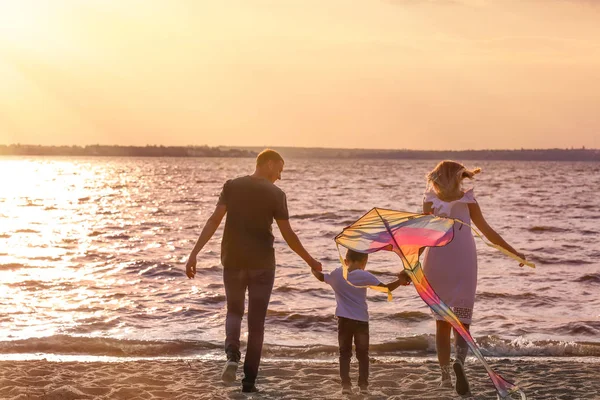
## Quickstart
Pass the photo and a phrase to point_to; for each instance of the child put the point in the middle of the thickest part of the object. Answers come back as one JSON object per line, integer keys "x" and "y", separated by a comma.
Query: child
{"x": 353, "y": 316}
{"x": 452, "y": 270}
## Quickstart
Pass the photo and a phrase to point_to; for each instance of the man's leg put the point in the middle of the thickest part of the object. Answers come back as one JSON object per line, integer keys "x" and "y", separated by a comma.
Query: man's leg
{"x": 235, "y": 281}
{"x": 361, "y": 341}
{"x": 260, "y": 286}
{"x": 345, "y": 334}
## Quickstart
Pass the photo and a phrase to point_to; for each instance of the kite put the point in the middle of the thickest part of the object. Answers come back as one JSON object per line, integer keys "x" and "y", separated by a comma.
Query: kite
{"x": 407, "y": 235}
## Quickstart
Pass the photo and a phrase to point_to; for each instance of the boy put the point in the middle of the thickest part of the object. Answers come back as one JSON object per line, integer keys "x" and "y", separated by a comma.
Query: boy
{"x": 353, "y": 315}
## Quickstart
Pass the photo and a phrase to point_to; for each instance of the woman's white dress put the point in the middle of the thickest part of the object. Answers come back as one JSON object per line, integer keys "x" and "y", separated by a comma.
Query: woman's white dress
{"x": 452, "y": 269}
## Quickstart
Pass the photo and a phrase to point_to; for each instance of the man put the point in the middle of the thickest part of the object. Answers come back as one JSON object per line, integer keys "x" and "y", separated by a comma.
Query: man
{"x": 251, "y": 203}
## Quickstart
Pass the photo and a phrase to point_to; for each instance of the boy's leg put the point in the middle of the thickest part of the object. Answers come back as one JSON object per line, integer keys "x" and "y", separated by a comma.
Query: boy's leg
{"x": 345, "y": 334}
{"x": 260, "y": 286}
{"x": 442, "y": 342}
{"x": 361, "y": 341}
{"x": 235, "y": 282}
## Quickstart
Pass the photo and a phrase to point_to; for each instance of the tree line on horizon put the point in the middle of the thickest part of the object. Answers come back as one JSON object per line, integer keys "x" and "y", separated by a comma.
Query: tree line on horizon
{"x": 124, "y": 151}
{"x": 581, "y": 154}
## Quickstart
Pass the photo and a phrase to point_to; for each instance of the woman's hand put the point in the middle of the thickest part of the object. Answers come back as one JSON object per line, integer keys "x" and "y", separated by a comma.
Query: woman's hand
{"x": 520, "y": 255}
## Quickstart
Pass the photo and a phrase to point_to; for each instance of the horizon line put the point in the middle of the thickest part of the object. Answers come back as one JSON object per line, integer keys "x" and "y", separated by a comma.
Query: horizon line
{"x": 242, "y": 147}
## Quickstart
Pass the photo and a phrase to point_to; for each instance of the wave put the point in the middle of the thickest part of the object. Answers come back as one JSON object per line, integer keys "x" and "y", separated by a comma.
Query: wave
{"x": 30, "y": 204}
{"x": 11, "y": 266}
{"x": 408, "y": 316}
{"x": 494, "y": 346}
{"x": 585, "y": 328}
{"x": 301, "y": 321}
{"x": 154, "y": 269}
{"x": 318, "y": 216}
{"x": 26, "y": 231}
{"x": 119, "y": 236}
{"x": 553, "y": 229}
{"x": 213, "y": 299}
{"x": 301, "y": 290}
{"x": 530, "y": 299}
{"x": 97, "y": 346}
{"x": 314, "y": 321}
{"x": 188, "y": 201}
{"x": 589, "y": 278}
{"x": 419, "y": 345}
{"x": 558, "y": 261}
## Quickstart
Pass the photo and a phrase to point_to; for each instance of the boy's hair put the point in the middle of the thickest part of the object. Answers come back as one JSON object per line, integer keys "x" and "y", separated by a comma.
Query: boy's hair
{"x": 446, "y": 177}
{"x": 355, "y": 256}
{"x": 268, "y": 155}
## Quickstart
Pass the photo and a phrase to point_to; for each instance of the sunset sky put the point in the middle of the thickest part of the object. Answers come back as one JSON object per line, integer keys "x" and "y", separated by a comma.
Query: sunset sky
{"x": 420, "y": 74}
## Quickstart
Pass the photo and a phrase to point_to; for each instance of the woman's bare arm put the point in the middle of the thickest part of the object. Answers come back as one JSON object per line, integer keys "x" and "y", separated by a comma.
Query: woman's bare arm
{"x": 488, "y": 231}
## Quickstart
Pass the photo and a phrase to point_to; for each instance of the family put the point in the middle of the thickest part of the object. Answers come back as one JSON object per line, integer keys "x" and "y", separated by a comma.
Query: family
{"x": 252, "y": 202}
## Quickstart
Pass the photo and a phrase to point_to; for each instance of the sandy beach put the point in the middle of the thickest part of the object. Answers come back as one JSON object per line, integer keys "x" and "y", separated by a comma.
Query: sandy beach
{"x": 193, "y": 379}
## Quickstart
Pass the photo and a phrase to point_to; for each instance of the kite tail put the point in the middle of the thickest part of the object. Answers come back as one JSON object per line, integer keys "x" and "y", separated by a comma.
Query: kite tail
{"x": 503, "y": 387}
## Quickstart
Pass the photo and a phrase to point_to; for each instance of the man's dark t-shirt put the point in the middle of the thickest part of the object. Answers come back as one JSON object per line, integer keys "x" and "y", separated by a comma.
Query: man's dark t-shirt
{"x": 252, "y": 204}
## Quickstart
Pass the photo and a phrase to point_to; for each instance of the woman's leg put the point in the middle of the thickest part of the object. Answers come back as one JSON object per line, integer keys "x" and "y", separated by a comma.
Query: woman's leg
{"x": 462, "y": 383}
{"x": 442, "y": 342}
{"x": 460, "y": 345}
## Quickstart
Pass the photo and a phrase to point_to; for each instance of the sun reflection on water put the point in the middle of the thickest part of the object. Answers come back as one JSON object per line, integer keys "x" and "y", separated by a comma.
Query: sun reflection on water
{"x": 47, "y": 229}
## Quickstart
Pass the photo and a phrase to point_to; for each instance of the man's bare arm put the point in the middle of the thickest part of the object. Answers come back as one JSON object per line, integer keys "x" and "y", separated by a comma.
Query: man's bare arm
{"x": 293, "y": 241}
{"x": 211, "y": 226}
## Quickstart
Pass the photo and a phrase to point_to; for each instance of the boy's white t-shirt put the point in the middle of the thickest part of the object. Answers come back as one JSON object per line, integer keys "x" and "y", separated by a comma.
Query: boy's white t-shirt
{"x": 351, "y": 301}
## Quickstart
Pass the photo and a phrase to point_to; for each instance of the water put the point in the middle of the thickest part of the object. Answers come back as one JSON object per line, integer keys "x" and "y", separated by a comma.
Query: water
{"x": 92, "y": 254}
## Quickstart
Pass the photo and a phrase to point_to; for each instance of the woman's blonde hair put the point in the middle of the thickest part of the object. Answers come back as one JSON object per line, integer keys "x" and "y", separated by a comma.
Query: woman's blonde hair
{"x": 445, "y": 179}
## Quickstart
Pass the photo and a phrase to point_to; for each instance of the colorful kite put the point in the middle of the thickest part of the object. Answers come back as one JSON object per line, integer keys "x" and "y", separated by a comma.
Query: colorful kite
{"x": 407, "y": 235}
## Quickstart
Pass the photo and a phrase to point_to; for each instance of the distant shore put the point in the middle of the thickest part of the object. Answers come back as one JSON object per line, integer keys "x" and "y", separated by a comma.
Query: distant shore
{"x": 581, "y": 154}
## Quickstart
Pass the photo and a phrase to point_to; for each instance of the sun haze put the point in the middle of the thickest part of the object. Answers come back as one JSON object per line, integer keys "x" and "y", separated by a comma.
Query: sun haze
{"x": 430, "y": 74}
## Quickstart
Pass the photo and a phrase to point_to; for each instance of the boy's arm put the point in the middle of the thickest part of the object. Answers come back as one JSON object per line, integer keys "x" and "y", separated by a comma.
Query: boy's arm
{"x": 319, "y": 275}
{"x": 403, "y": 280}
{"x": 391, "y": 286}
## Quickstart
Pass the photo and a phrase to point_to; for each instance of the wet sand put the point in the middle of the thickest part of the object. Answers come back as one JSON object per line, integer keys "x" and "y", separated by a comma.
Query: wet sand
{"x": 195, "y": 379}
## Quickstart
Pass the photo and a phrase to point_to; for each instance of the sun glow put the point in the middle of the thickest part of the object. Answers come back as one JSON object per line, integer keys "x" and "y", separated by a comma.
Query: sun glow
{"x": 23, "y": 22}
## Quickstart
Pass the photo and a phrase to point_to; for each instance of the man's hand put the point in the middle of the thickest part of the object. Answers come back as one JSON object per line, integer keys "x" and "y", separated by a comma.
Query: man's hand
{"x": 315, "y": 265}
{"x": 190, "y": 267}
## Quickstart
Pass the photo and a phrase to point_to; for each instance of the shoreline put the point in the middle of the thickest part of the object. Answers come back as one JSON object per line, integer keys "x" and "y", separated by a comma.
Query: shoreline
{"x": 218, "y": 357}
{"x": 291, "y": 379}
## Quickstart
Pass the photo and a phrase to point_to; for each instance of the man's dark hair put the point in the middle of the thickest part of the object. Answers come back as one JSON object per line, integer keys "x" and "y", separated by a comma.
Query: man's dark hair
{"x": 355, "y": 256}
{"x": 268, "y": 155}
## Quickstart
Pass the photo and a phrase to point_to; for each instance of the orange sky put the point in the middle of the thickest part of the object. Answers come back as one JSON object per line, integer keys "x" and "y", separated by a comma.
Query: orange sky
{"x": 420, "y": 74}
